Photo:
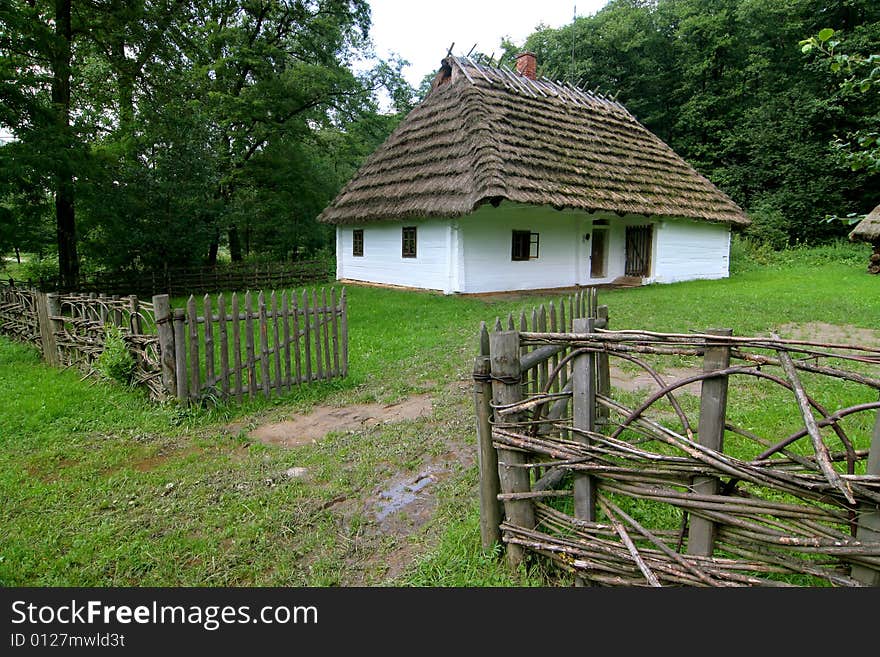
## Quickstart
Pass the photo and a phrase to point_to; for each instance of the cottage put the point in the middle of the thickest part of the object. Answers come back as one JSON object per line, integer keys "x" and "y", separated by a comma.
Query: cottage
{"x": 503, "y": 181}
{"x": 868, "y": 230}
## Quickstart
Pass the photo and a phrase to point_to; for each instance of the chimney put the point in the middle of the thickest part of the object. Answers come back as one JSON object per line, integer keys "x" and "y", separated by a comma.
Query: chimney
{"x": 527, "y": 64}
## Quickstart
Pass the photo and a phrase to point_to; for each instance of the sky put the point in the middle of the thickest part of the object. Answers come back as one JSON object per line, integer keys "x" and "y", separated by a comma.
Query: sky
{"x": 421, "y": 32}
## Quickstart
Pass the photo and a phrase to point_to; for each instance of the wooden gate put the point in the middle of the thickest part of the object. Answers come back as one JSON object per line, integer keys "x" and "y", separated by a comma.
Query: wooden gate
{"x": 638, "y": 250}
{"x": 239, "y": 350}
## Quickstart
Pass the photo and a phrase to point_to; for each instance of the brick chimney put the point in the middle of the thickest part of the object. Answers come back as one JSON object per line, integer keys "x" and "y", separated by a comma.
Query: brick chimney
{"x": 527, "y": 64}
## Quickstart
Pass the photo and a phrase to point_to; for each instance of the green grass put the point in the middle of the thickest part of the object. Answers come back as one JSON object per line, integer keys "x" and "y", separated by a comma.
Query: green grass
{"x": 103, "y": 488}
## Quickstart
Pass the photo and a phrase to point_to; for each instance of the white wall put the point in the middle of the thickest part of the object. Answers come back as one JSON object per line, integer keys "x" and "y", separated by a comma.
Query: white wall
{"x": 382, "y": 261}
{"x": 472, "y": 254}
{"x": 685, "y": 250}
{"x": 486, "y": 239}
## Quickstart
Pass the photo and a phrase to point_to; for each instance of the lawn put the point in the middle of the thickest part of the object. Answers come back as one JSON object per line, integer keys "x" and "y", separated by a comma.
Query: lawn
{"x": 103, "y": 488}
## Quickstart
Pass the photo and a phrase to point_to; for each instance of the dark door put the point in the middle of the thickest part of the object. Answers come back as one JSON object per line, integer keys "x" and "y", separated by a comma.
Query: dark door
{"x": 597, "y": 253}
{"x": 638, "y": 250}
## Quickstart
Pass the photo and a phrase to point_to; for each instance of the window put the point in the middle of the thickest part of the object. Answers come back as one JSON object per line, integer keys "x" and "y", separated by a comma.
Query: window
{"x": 409, "y": 242}
{"x": 357, "y": 242}
{"x": 524, "y": 245}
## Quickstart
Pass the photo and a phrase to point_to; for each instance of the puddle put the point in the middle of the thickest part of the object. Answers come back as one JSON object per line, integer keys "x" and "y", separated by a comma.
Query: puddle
{"x": 306, "y": 429}
{"x": 402, "y": 494}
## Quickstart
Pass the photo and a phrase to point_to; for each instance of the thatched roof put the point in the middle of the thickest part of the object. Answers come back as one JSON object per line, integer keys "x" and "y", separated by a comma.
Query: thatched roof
{"x": 868, "y": 229}
{"x": 486, "y": 134}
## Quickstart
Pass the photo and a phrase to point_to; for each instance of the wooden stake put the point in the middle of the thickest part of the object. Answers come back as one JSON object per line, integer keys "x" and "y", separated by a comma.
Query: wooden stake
{"x": 165, "y": 329}
{"x": 236, "y": 346}
{"x": 487, "y": 457}
{"x": 506, "y": 389}
{"x": 713, "y": 409}
{"x": 869, "y": 514}
{"x": 180, "y": 354}
{"x": 583, "y": 400}
{"x": 195, "y": 386}
{"x": 223, "y": 338}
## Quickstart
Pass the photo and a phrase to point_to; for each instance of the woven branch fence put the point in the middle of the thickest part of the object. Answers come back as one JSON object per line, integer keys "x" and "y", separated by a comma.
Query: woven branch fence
{"x": 18, "y": 314}
{"x": 663, "y": 487}
{"x": 248, "y": 350}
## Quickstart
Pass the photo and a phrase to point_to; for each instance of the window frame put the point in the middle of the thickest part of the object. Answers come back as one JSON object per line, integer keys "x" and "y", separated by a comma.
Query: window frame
{"x": 524, "y": 245}
{"x": 357, "y": 242}
{"x": 409, "y": 238}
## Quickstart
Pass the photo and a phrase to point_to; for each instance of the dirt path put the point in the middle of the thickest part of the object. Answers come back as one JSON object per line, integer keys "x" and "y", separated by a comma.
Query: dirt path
{"x": 305, "y": 429}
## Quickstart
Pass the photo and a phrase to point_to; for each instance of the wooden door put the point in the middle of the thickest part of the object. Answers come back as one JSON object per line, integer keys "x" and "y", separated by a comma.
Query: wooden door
{"x": 597, "y": 253}
{"x": 638, "y": 250}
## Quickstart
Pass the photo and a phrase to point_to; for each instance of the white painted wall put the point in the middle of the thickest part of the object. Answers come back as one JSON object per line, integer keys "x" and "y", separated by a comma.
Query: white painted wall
{"x": 472, "y": 254}
{"x": 382, "y": 261}
{"x": 486, "y": 238}
{"x": 686, "y": 250}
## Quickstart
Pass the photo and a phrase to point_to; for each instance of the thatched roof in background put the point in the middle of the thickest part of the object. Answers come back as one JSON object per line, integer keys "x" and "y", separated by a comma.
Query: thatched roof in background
{"x": 868, "y": 229}
{"x": 488, "y": 135}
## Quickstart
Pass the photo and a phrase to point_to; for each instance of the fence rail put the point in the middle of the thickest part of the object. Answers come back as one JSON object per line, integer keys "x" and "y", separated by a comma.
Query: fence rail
{"x": 244, "y": 350}
{"x": 624, "y": 492}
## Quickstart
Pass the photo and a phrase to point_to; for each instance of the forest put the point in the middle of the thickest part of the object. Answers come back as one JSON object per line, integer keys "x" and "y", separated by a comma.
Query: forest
{"x": 151, "y": 133}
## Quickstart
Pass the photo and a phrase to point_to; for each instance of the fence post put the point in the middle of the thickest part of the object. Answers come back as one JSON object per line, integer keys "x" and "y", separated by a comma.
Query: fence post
{"x": 487, "y": 458}
{"x": 869, "y": 514}
{"x": 583, "y": 401}
{"x": 710, "y": 430}
{"x": 48, "y": 306}
{"x": 180, "y": 353}
{"x": 506, "y": 389}
{"x": 343, "y": 334}
{"x": 165, "y": 329}
{"x": 134, "y": 317}
{"x": 603, "y": 367}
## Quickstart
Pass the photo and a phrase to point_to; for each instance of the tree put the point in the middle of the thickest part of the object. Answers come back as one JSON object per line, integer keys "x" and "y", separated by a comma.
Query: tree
{"x": 860, "y": 77}
{"x": 36, "y": 60}
{"x": 724, "y": 85}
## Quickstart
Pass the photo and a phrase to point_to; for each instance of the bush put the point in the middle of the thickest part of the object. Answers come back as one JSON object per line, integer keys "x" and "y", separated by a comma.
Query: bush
{"x": 116, "y": 362}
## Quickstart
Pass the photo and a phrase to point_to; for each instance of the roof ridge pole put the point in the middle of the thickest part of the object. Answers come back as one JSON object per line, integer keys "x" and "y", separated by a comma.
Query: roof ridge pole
{"x": 551, "y": 87}
{"x": 518, "y": 82}
{"x": 574, "y": 93}
{"x": 534, "y": 84}
{"x": 579, "y": 93}
{"x": 499, "y": 75}
{"x": 510, "y": 76}
{"x": 479, "y": 69}
{"x": 463, "y": 68}
{"x": 568, "y": 95}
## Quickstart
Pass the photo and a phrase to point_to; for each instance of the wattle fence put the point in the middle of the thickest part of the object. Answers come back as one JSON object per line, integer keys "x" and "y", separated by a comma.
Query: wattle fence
{"x": 662, "y": 486}
{"x": 241, "y": 351}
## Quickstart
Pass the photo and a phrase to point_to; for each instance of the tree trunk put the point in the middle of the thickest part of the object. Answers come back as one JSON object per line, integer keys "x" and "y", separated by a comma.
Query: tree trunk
{"x": 234, "y": 244}
{"x": 65, "y": 219}
{"x": 214, "y": 248}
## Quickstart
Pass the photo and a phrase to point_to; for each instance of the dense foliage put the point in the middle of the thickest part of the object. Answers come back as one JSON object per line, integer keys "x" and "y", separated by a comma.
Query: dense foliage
{"x": 153, "y": 133}
{"x": 159, "y": 130}
{"x": 726, "y": 84}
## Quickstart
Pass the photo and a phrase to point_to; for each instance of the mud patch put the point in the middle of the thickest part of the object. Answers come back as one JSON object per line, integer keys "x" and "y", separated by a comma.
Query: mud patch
{"x": 641, "y": 380}
{"x": 403, "y": 494}
{"x": 306, "y": 429}
{"x": 834, "y": 333}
